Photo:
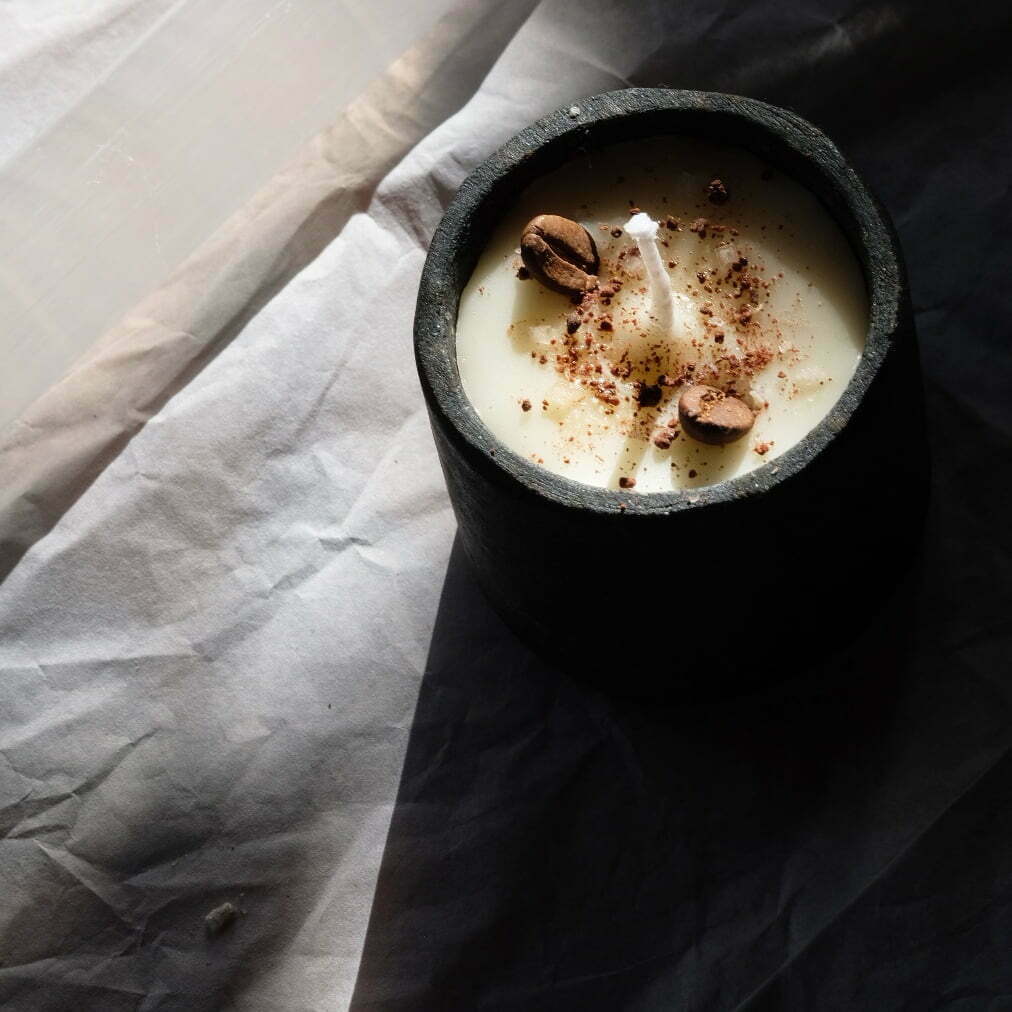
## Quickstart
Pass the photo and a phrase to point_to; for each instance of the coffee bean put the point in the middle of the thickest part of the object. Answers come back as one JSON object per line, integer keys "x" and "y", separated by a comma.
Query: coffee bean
{"x": 560, "y": 253}
{"x": 711, "y": 416}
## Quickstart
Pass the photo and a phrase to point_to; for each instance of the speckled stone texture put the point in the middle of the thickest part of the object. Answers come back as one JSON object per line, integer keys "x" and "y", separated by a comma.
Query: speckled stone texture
{"x": 634, "y": 591}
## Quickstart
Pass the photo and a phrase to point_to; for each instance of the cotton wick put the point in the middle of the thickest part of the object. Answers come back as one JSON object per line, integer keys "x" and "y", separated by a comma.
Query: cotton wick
{"x": 644, "y": 230}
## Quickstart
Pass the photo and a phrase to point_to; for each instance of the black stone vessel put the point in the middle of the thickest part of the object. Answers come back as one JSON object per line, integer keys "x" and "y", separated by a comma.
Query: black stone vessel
{"x": 709, "y": 590}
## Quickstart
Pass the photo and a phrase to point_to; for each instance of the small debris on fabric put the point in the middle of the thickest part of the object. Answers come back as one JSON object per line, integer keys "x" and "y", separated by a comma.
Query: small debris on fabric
{"x": 220, "y": 919}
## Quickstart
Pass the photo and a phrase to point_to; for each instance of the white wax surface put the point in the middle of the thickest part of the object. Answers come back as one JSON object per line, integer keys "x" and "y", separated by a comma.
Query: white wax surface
{"x": 790, "y": 361}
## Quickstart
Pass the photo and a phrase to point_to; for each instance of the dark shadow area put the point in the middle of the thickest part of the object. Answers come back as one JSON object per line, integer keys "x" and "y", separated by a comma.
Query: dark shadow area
{"x": 852, "y": 70}
{"x": 834, "y": 841}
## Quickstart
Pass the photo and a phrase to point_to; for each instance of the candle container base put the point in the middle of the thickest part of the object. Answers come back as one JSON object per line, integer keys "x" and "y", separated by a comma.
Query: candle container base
{"x": 706, "y": 591}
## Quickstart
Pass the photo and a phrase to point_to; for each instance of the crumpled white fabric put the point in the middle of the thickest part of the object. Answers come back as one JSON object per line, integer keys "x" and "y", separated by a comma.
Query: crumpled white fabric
{"x": 210, "y": 663}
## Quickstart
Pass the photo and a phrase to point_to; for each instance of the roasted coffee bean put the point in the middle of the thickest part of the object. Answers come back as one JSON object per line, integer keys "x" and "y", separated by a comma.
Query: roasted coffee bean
{"x": 711, "y": 416}
{"x": 560, "y": 253}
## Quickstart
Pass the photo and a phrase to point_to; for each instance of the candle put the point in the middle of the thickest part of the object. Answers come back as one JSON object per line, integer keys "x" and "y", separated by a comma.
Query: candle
{"x": 722, "y": 287}
{"x": 716, "y": 313}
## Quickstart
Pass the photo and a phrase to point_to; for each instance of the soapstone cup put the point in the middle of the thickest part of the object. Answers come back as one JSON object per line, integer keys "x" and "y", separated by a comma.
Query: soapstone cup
{"x": 705, "y": 591}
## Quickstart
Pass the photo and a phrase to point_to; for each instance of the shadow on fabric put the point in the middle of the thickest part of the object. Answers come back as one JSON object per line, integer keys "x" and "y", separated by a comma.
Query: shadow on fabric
{"x": 554, "y": 848}
{"x": 838, "y": 841}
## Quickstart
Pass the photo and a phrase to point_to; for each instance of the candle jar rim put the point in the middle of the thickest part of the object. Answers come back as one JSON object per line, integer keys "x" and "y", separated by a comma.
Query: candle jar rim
{"x": 777, "y": 135}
